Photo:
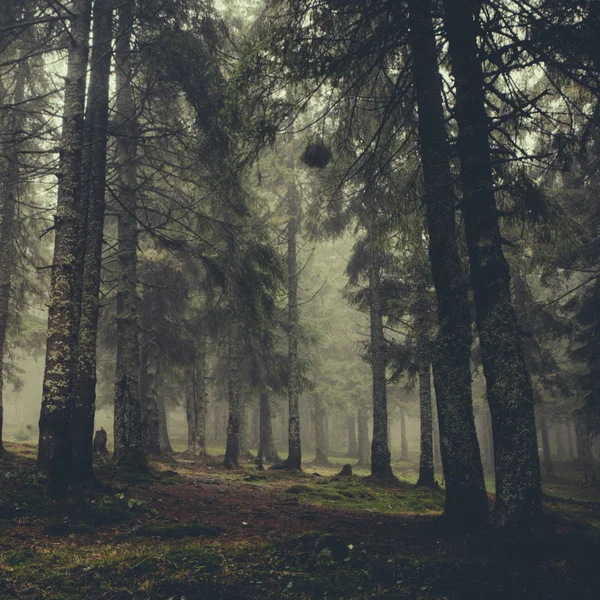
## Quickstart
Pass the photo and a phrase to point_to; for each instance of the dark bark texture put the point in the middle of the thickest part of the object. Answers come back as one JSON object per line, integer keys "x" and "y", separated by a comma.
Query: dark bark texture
{"x": 466, "y": 498}
{"x": 294, "y": 459}
{"x": 509, "y": 391}
{"x": 84, "y": 405}
{"x": 426, "y": 467}
{"x": 55, "y": 448}
{"x": 129, "y": 448}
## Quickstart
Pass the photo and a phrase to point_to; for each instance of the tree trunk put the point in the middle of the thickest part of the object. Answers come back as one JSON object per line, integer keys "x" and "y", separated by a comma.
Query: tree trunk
{"x": 352, "y": 445}
{"x": 243, "y": 434}
{"x": 294, "y": 459}
{"x": 570, "y": 442}
{"x": 363, "y": 437}
{"x": 147, "y": 389}
{"x": 10, "y": 199}
{"x": 163, "y": 430}
{"x": 404, "y": 439}
{"x": 233, "y": 422}
{"x": 129, "y": 450}
{"x": 547, "y": 462}
{"x": 584, "y": 447}
{"x": 561, "y": 453}
{"x": 255, "y": 427}
{"x": 321, "y": 450}
{"x": 426, "y": 468}
{"x": 437, "y": 455}
{"x": 466, "y": 498}
{"x": 486, "y": 437}
{"x": 510, "y": 395}
{"x": 266, "y": 445}
{"x": 84, "y": 406}
{"x": 380, "y": 453}
{"x": 55, "y": 449}
{"x": 196, "y": 401}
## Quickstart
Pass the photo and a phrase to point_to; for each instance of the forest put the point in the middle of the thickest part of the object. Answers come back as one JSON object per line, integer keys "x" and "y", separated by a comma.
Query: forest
{"x": 299, "y": 299}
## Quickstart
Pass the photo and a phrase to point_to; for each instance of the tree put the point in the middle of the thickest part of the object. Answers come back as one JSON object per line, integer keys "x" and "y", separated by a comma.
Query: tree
{"x": 97, "y": 131}
{"x": 10, "y": 192}
{"x": 129, "y": 450}
{"x": 55, "y": 448}
{"x": 509, "y": 392}
{"x": 466, "y": 500}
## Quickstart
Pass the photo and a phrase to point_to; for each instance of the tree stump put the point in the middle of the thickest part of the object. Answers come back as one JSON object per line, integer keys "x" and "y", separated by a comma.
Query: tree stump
{"x": 345, "y": 472}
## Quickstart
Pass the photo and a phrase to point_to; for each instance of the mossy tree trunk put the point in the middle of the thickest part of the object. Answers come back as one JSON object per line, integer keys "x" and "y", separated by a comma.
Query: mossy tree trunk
{"x": 84, "y": 406}
{"x": 10, "y": 192}
{"x": 466, "y": 499}
{"x": 510, "y": 395}
{"x": 129, "y": 448}
{"x": 266, "y": 445}
{"x": 55, "y": 451}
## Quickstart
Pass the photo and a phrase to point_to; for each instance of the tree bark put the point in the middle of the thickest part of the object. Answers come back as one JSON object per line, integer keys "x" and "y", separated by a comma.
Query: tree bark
{"x": 147, "y": 388}
{"x": 294, "y": 459}
{"x": 321, "y": 450}
{"x": 55, "y": 449}
{"x": 510, "y": 395}
{"x": 233, "y": 422}
{"x": 84, "y": 406}
{"x": 9, "y": 205}
{"x": 243, "y": 434}
{"x": 363, "y": 437}
{"x": 466, "y": 499}
{"x": 352, "y": 445}
{"x": 426, "y": 467}
{"x": 380, "y": 453}
{"x": 266, "y": 445}
{"x": 129, "y": 449}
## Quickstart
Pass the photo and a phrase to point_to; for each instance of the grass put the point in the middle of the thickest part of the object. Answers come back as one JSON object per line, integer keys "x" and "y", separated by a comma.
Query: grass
{"x": 345, "y": 539}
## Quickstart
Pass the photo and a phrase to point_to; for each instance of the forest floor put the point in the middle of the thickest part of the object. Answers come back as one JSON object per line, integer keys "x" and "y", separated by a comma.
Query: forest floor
{"x": 192, "y": 530}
